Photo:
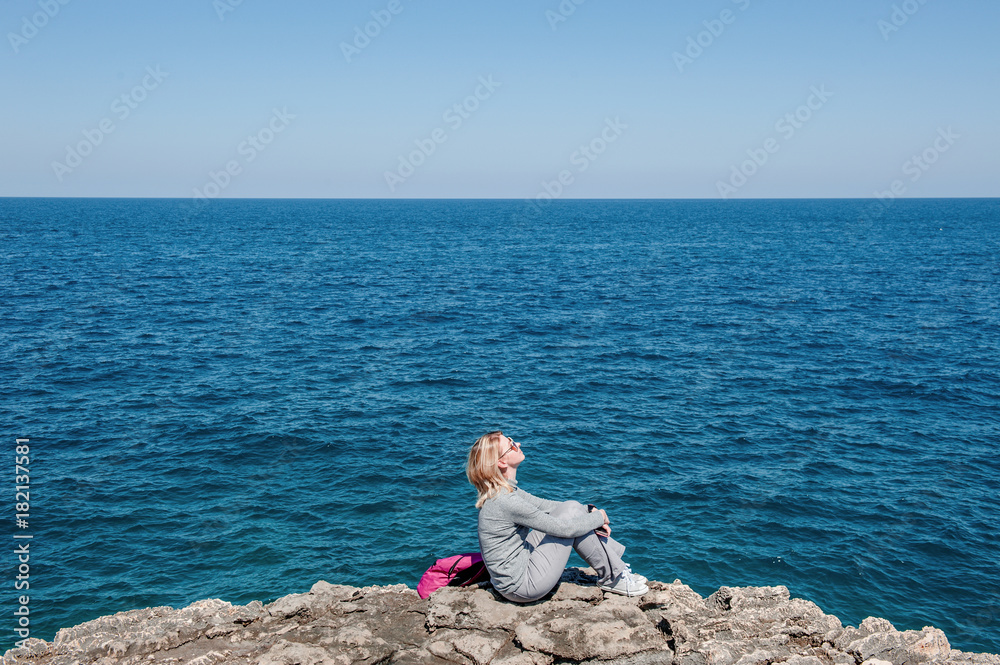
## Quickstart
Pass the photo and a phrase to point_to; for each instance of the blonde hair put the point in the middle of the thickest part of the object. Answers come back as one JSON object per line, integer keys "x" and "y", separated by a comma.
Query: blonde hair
{"x": 482, "y": 469}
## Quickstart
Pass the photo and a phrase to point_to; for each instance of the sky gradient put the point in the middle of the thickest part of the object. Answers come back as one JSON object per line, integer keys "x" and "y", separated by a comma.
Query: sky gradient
{"x": 736, "y": 98}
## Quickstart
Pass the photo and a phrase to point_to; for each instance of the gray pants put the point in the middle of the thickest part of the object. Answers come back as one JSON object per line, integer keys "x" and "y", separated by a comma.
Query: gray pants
{"x": 549, "y": 556}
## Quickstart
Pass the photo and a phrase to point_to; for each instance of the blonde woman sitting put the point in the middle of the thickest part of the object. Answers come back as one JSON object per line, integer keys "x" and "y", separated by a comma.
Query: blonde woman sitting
{"x": 526, "y": 541}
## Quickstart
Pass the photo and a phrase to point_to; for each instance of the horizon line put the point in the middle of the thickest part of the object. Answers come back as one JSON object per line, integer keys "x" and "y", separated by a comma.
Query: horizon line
{"x": 527, "y": 200}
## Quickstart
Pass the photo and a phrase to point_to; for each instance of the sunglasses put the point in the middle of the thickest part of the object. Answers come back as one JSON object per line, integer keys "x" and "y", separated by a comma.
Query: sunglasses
{"x": 513, "y": 444}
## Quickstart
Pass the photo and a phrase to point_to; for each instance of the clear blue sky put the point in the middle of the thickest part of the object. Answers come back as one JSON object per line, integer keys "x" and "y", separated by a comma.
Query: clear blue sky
{"x": 930, "y": 87}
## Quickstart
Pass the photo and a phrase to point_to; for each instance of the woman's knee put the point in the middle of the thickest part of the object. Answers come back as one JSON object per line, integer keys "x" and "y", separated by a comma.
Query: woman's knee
{"x": 569, "y": 509}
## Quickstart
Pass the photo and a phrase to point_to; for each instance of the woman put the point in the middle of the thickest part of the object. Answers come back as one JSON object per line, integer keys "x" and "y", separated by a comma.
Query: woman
{"x": 526, "y": 541}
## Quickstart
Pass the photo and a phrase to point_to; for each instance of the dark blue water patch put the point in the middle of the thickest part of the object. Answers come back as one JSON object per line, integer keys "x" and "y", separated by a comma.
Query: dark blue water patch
{"x": 240, "y": 403}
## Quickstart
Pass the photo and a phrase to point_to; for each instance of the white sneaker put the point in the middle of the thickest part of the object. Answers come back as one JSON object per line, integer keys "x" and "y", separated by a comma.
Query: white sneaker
{"x": 639, "y": 579}
{"x": 625, "y": 584}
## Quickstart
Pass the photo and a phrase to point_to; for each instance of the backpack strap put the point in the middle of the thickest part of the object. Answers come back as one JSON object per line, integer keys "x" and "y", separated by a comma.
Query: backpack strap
{"x": 474, "y": 574}
{"x": 451, "y": 571}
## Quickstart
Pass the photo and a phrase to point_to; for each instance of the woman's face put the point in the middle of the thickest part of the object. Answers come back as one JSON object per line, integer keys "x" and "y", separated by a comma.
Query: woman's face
{"x": 512, "y": 454}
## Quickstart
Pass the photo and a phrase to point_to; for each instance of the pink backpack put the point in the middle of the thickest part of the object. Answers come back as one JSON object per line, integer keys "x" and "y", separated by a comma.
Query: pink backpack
{"x": 458, "y": 570}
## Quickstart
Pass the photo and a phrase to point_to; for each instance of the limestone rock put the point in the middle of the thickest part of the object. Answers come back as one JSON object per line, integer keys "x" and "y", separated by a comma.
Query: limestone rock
{"x": 343, "y": 625}
{"x": 878, "y": 640}
{"x": 293, "y": 653}
{"x": 575, "y": 630}
{"x": 957, "y": 657}
{"x": 476, "y": 609}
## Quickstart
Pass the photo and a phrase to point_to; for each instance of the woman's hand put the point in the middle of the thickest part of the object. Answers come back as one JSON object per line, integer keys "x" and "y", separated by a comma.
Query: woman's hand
{"x": 604, "y": 529}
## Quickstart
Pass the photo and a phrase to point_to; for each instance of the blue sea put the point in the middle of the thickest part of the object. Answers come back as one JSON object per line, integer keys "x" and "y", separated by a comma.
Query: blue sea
{"x": 240, "y": 399}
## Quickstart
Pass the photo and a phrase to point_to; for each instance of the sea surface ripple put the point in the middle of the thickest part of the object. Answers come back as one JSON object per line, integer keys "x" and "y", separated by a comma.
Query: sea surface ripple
{"x": 238, "y": 402}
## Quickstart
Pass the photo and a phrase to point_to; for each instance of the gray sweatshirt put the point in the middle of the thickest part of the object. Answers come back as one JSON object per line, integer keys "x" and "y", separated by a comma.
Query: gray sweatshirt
{"x": 504, "y": 523}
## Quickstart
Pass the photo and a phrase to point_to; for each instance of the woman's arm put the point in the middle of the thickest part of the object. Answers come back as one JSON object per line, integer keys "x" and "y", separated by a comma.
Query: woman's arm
{"x": 522, "y": 511}
{"x": 543, "y": 504}
{"x": 548, "y": 506}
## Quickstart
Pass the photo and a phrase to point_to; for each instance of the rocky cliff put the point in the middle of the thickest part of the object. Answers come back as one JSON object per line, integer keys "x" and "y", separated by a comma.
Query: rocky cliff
{"x": 334, "y": 624}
